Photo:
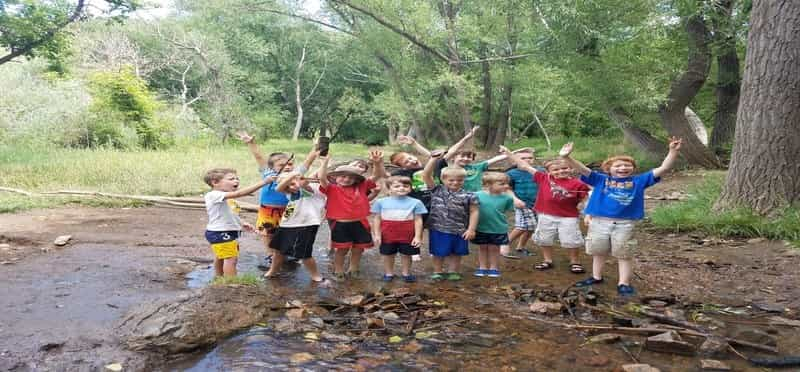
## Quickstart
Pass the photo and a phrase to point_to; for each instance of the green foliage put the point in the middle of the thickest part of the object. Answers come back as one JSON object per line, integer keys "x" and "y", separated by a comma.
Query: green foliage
{"x": 698, "y": 214}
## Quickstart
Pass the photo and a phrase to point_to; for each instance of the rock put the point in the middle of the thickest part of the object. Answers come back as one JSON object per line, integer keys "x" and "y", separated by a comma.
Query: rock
{"x": 714, "y": 347}
{"x": 757, "y": 337}
{"x": 375, "y": 323}
{"x": 622, "y": 321}
{"x": 541, "y": 307}
{"x": 296, "y": 314}
{"x": 400, "y": 292}
{"x": 412, "y": 347}
{"x": 606, "y": 338}
{"x": 639, "y": 368}
{"x": 669, "y": 342}
{"x": 598, "y": 361}
{"x": 356, "y": 300}
{"x": 114, "y": 367}
{"x": 5, "y": 246}
{"x": 713, "y": 365}
{"x": 768, "y": 307}
{"x": 390, "y": 316}
{"x": 300, "y": 358}
{"x": 62, "y": 240}
{"x": 657, "y": 303}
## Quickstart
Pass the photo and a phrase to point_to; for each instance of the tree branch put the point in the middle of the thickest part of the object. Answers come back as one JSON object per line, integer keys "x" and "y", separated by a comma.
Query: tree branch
{"x": 309, "y": 19}
{"x": 25, "y": 49}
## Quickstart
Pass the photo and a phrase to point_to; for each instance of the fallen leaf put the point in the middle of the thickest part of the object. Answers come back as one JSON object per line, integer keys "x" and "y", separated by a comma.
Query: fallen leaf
{"x": 300, "y": 358}
{"x": 116, "y": 367}
{"x": 395, "y": 339}
{"x": 424, "y": 334}
{"x": 412, "y": 347}
{"x": 311, "y": 336}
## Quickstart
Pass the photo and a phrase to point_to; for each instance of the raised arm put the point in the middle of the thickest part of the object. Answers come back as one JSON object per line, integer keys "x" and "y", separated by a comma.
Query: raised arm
{"x": 250, "y": 189}
{"x": 410, "y": 141}
{"x": 566, "y": 150}
{"x": 378, "y": 170}
{"x": 672, "y": 156}
{"x": 427, "y": 172}
{"x": 451, "y": 152}
{"x": 322, "y": 173}
{"x": 521, "y": 164}
{"x": 312, "y": 155}
{"x": 253, "y": 147}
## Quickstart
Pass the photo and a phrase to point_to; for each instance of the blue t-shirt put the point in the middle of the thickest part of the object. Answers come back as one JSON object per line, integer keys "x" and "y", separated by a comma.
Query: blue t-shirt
{"x": 270, "y": 196}
{"x": 618, "y": 197}
{"x": 523, "y": 185}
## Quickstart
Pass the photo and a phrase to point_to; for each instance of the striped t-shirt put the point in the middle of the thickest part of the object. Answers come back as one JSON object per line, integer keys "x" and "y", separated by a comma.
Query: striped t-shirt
{"x": 397, "y": 217}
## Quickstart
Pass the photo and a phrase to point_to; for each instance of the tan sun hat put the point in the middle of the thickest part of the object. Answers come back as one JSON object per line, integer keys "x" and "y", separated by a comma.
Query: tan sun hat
{"x": 285, "y": 179}
{"x": 347, "y": 170}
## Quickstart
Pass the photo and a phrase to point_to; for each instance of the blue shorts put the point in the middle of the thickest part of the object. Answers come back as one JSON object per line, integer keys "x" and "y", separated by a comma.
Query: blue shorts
{"x": 443, "y": 244}
{"x": 492, "y": 239}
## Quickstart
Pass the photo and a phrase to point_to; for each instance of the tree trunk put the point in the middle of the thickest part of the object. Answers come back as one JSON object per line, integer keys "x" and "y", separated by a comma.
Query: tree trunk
{"x": 640, "y": 138}
{"x": 765, "y": 163}
{"x": 397, "y": 83}
{"x": 449, "y": 11}
{"x": 683, "y": 90}
{"x": 487, "y": 131}
{"x": 697, "y": 126}
{"x": 728, "y": 78}
{"x": 298, "y": 96}
{"x": 504, "y": 118}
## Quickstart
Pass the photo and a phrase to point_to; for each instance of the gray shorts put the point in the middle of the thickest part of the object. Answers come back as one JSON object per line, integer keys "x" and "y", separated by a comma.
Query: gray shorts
{"x": 607, "y": 235}
{"x": 524, "y": 219}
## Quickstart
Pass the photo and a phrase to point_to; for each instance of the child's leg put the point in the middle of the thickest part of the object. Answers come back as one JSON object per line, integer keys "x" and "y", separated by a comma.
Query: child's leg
{"x": 547, "y": 253}
{"x": 438, "y": 264}
{"x": 523, "y": 239}
{"x": 355, "y": 259}
{"x": 229, "y": 266}
{"x": 625, "y": 271}
{"x": 492, "y": 255}
{"x": 311, "y": 265}
{"x": 388, "y": 264}
{"x": 338, "y": 260}
{"x": 218, "y": 267}
{"x": 483, "y": 256}
{"x": 453, "y": 263}
{"x": 598, "y": 261}
{"x": 405, "y": 263}
{"x": 277, "y": 261}
{"x": 573, "y": 256}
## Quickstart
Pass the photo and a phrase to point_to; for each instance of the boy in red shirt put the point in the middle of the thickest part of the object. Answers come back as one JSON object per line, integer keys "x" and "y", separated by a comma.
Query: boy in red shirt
{"x": 557, "y": 208}
{"x": 347, "y": 211}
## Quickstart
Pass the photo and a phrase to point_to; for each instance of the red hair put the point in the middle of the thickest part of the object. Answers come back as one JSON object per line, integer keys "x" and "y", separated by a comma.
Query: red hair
{"x": 607, "y": 163}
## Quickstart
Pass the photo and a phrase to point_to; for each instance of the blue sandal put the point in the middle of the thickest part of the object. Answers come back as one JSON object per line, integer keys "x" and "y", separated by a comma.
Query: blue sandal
{"x": 588, "y": 282}
{"x": 387, "y": 278}
{"x": 409, "y": 278}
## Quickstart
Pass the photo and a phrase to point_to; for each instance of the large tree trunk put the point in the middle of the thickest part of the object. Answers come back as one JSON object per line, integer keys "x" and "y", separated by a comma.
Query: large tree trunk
{"x": 449, "y": 12}
{"x": 397, "y": 83}
{"x": 683, "y": 90}
{"x": 728, "y": 78}
{"x": 640, "y": 138}
{"x": 487, "y": 131}
{"x": 504, "y": 117}
{"x": 765, "y": 163}
{"x": 298, "y": 97}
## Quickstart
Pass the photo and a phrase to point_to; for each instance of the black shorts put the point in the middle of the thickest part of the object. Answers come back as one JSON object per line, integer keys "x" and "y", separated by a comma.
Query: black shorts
{"x": 493, "y": 239}
{"x": 297, "y": 242}
{"x": 390, "y": 249}
{"x": 353, "y": 234}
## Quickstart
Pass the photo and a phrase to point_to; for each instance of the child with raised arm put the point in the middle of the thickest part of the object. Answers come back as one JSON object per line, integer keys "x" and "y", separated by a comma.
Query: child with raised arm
{"x": 224, "y": 224}
{"x": 397, "y": 227}
{"x": 453, "y": 219}
{"x": 458, "y": 157}
{"x": 616, "y": 204}
{"x": 492, "y": 230}
{"x": 347, "y": 212}
{"x": 525, "y": 190}
{"x": 557, "y": 208}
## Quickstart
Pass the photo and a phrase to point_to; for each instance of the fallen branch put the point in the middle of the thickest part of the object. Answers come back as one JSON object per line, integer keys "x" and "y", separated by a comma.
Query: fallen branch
{"x": 442, "y": 324}
{"x": 17, "y": 191}
{"x": 669, "y": 320}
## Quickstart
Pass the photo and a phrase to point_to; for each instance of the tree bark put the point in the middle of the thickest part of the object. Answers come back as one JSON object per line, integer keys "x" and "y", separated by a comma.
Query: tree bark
{"x": 640, "y": 138}
{"x": 697, "y": 126}
{"x": 684, "y": 89}
{"x": 449, "y": 12}
{"x": 504, "y": 118}
{"x": 728, "y": 79}
{"x": 487, "y": 131}
{"x": 764, "y": 169}
{"x": 298, "y": 96}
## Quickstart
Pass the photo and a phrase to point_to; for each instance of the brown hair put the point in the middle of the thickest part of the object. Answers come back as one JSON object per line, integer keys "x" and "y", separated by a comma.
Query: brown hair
{"x": 468, "y": 153}
{"x": 607, "y": 163}
{"x": 555, "y": 161}
{"x": 215, "y": 175}
{"x": 397, "y": 158}
{"x": 399, "y": 179}
{"x": 493, "y": 177}
{"x": 361, "y": 163}
{"x": 273, "y": 157}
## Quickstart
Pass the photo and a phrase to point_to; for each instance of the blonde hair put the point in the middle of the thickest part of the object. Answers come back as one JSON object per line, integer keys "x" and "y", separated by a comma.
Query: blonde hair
{"x": 555, "y": 161}
{"x": 213, "y": 176}
{"x": 494, "y": 177}
{"x": 399, "y": 179}
{"x": 606, "y": 166}
{"x": 453, "y": 172}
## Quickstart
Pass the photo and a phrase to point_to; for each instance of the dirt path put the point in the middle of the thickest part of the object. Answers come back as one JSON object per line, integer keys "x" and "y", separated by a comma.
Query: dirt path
{"x": 60, "y": 306}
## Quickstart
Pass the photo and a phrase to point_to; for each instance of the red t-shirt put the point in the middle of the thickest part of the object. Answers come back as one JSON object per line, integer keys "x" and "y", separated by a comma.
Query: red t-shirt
{"x": 348, "y": 203}
{"x": 559, "y": 197}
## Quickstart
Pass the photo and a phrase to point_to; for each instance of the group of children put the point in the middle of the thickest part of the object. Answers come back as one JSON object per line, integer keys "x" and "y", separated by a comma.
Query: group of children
{"x": 457, "y": 199}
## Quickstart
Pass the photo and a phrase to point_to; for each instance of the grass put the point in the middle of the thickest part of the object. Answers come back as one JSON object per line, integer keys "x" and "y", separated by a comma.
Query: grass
{"x": 697, "y": 214}
{"x": 241, "y": 279}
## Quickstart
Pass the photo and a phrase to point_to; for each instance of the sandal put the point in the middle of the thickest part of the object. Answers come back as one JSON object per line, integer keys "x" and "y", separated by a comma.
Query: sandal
{"x": 438, "y": 276}
{"x": 576, "y": 268}
{"x": 588, "y": 282}
{"x": 409, "y": 278}
{"x": 544, "y": 265}
{"x": 387, "y": 278}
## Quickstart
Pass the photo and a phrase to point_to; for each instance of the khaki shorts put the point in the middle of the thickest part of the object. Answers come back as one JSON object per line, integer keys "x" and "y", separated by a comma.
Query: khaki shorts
{"x": 611, "y": 235}
{"x": 566, "y": 228}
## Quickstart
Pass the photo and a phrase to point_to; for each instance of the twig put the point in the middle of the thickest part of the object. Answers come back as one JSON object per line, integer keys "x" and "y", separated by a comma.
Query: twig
{"x": 668, "y": 320}
{"x": 442, "y": 324}
{"x": 565, "y": 304}
{"x": 412, "y": 322}
{"x": 737, "y": 352}
{"x": 625, "y": 349}
{"x": 18, "y": 191}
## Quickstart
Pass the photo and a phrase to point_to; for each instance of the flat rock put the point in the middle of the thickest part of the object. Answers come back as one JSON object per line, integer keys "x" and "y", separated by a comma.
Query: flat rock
{"x": 713, "y": 365}
{"x": 606, "y": 338}
{"x": 669, "y": 342}
{"x": 296, "y": 314}
{"x": 62, "y": 240}
{"x": 639, "y": 368}
{"x": 768, "y": 307}
{"x": 543, "y": 307}
{"x": 354, "y": 300}
{"x": 657, "y": 303}
{"x": 757, "y": 337}
{"x": 300, "y": 358}
{"x": 715, "y": 347}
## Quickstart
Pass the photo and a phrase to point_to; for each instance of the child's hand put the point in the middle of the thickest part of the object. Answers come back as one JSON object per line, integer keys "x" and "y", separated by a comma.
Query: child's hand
{"x": 436, "y": 154}
{"x": 406, "y": 140}
{"x": 519, "y": 204}
{"x": 565, "y": 150}
{"x": 245, "y": 137}
{"x": 416, "y": 243}
{"x": 248, "y": 227}
{"x": 468, "y": 235}
{"x": 376, "y": 156}
{"x": 675, "y": 143}
{"x": 504, "y": 150}
{"x": 270, "y": 179}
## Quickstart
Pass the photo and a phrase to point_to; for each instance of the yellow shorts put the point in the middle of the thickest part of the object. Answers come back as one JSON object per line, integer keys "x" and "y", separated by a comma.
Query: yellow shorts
{"x": 269, "y": 218}
{"x": 225, "y": 250}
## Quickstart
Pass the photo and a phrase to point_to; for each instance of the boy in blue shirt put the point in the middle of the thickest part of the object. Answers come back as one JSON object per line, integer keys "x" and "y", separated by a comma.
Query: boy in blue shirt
{"x": 525, "y": 190}
{"x": 615, "y": 205}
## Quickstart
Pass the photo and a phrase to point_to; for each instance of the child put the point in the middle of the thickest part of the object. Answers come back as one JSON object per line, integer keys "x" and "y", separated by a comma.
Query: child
{"x": 363, "y": 165}
{"x": 492, "y": 231}
{"x": 453, "y": 219}
{"x": 224, "y": 224}
{"x": 398, "y": 227}
{"x": 615, "y": 205}
{"x": 299, "y": 224}
{"x": 466, "y": 159}
{"x": 524, "y": 218}
{"x": 347, "y": 211}
{"x": 557, "y": 208}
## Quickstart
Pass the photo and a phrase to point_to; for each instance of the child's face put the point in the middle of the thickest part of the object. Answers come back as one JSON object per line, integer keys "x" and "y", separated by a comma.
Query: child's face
{"x": 399, "y": 189}
{"x": 345, "y": 180}
{"x": 464, "y": 159}
{"x": 228, "y": 183}
{"x": 620, "y": 168}
{"x": 527, "y": 157}
{"x": 560, "y": 170}
{"x": 279, "y": 163}
{"x": 453, "y": 183}
{"x": 409, "y": 162}
{"x": 498, "y": 187}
